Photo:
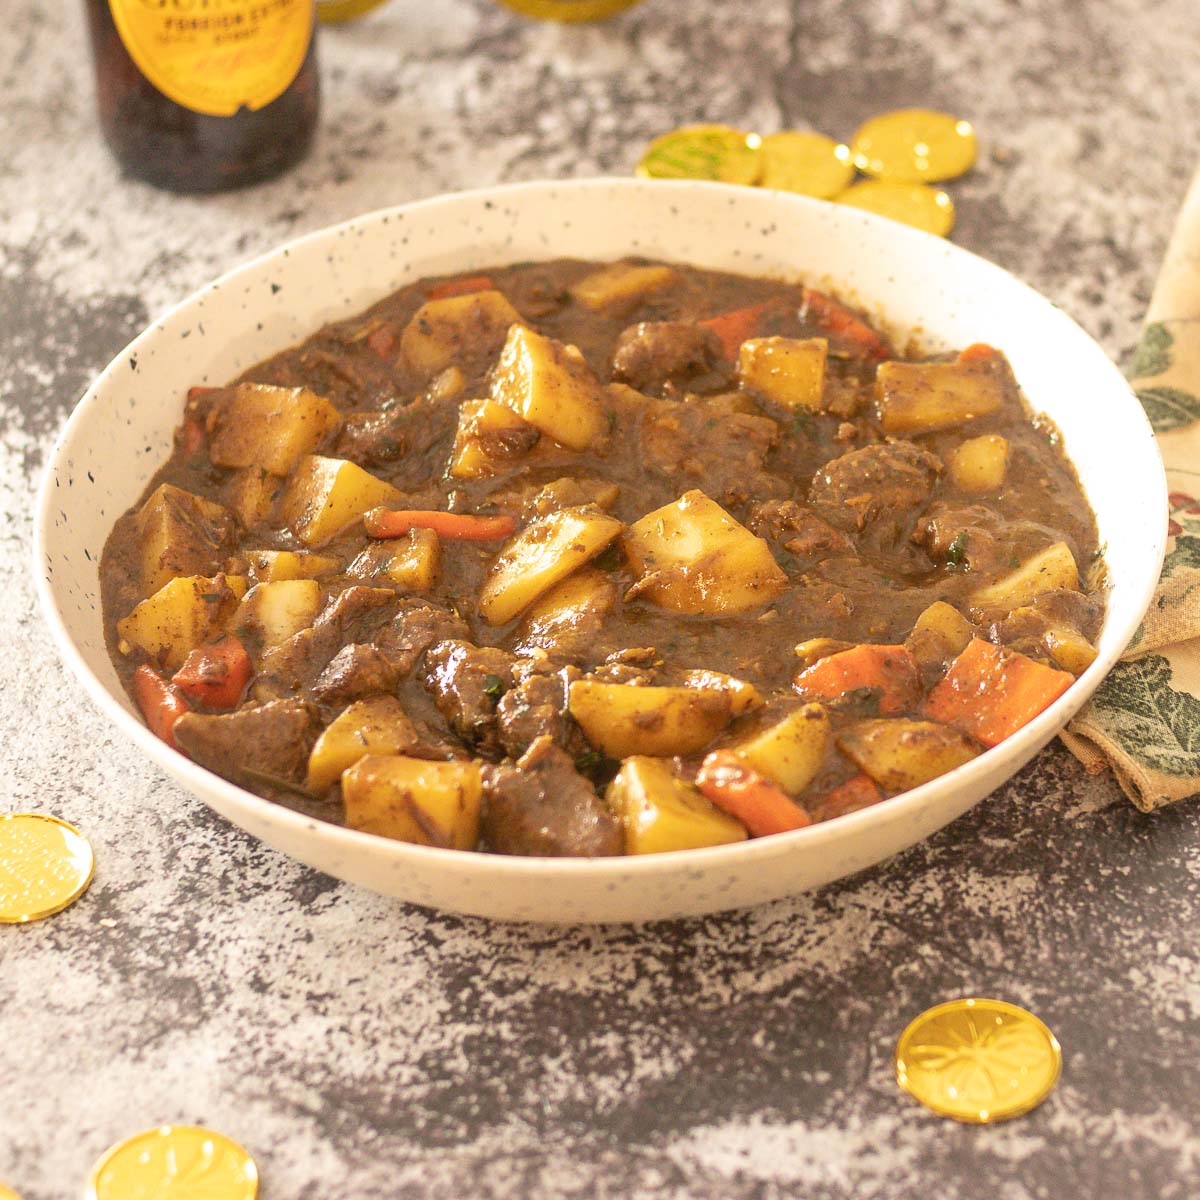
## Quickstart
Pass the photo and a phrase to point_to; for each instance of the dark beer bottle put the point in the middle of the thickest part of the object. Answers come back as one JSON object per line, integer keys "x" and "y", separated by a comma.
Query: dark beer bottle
{"x": 203, "y": 95}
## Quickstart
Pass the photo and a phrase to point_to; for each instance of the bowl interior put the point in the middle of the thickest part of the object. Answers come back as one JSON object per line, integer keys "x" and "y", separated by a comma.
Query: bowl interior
{"x": 122, "y": 429}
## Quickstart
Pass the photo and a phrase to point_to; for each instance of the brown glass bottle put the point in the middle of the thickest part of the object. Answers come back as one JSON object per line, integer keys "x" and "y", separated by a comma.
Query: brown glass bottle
{"x": 204, "y": 95}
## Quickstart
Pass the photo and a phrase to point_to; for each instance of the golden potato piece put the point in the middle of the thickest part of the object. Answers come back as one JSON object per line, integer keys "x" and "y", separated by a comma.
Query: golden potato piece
{"x": 180, "y": 534}
{"x": 378, "y": 725}
{"x": 413, "y": 800}
{"x": 744, "y": 697}
{"x": 550, "y": 386}
{"x": 272, "y": 612}
{"x": 1050, "y": 570}
{"x": 939, "y": 635}
{"x": 325, "y": 495}
{"x": 271, "y": 566}
{"x": 441, "y": 331}
{"x": 659, "y": 811}
{"x": 623, "y": 719}
{"x": 923, "y": 397}
{"x": 792, "y": 751}
{"x": 252, "y": 493}
{"x": 543, "y": 553}
{"x": 585, "y": 592}
{"x": 183, "y": 614}
{"x": 978, "y": 466}
{"x": 620, "y": 286}
{"x": 260, "y": 425}
{"x": 489, "y": 436}
{"x": 693, "y": 557}
{"x": 900, "y": 754}
{"x": 788, "y": 371}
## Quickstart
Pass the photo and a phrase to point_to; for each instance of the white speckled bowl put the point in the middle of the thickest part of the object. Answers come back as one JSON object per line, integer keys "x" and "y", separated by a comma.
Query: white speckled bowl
{"x": 122, "y": 430}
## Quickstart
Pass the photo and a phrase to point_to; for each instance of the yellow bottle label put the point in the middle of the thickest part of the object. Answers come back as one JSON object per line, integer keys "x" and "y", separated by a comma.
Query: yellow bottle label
{"x": 217, "y": 56}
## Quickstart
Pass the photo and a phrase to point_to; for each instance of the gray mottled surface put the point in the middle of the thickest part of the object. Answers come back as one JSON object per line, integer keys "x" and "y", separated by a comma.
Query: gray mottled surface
{"x": 366, "y": 1050}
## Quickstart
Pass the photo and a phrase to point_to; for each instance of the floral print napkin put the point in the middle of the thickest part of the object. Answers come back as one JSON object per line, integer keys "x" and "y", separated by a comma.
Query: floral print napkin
{"x": 1144, "y": 720}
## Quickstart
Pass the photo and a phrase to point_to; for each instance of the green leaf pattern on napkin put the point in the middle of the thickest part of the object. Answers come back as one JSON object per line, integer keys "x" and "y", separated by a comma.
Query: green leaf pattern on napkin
{"x": 1153, "y": 722}
{"x": 1153, "y": 355}
{"x": 1166, "y": 407}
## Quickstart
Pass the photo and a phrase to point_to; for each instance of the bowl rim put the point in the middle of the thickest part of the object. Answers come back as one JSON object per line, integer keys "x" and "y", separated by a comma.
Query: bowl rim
{"x": 199, "y": 780}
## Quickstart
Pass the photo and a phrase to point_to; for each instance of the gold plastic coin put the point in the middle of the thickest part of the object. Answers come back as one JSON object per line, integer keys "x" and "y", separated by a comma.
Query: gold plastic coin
{"x": 174, "y": 1162}
{"x": 715, "y": 152}
{"x": 913, "y": 204}
{"x": 914, "y": 145}
{"x": 45, "y": 864}
{"x": 332, "y": 12}
{"x": 978, "y": 1060}
{"x": 808, "y": 163}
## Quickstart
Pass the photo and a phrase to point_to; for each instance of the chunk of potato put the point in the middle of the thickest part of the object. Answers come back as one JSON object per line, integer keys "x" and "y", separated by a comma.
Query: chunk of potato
{"x": 441, "y": 330}
{"x": 180, "y": 534}
{"x": 623, "y": 718}
{"x": 939, "y": 635}
{"x": 923, "y": 397}
{"x": 788, "y": 371}
{"x": 693, "y": 557}
{"x": 544, "y": 552}
{"x": 252, "y": 493}
{"x": 814, "y": 649}
{"x": 899, "y": 753}
{"x": 260, "y": 425}
{"x": 272, "y": 612}
{"x": 1050, "y": 570}
{"x": 414, "y": 561}
{"x": 325, "y": 495}
{"x": 620, "y": 286}
{"x": 377, "y": 725}
{"x": 744, "y": 697}
{"x": 184, "y": 613}
{"x": 792, "y": 751}
{"x": 978, "y": 466}
{"x": 413, "y": 800}
{"x": 271, "y": 566}
{"x": 1069, "y": 649}
{"x": 659, "y": 811}
{"x": 549, "y": 384}
{"x": 588, "y": 592}
{"x": 489, "y": 435}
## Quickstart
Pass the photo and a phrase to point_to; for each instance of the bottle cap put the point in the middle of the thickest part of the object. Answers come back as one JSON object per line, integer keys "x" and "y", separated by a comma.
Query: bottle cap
{"x": 978, "y": 1060}
{"x": 174, "y": 1160}
{"x": 45, "y": 864}
{"x": 914, "y": 145}
{"x": 809, "y": 163}
{"x": 913, "y": 204}
{"x": 716, "y": 152}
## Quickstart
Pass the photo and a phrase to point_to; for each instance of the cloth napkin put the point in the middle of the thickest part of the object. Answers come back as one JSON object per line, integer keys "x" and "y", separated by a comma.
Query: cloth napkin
{"x": 1144, "y": 720}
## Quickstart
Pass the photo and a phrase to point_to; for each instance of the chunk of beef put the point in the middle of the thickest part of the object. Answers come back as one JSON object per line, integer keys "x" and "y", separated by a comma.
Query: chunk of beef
{"x": 877, "y": 491}
{"x": 417, "y": 626}
{"x": 712, "y": 444}
{"x": 466, "y": 683}
{"x": 358, "y": 669}
{"x": 537, "y": 707}
{"x": 1052, "y": 610}
{"x": 401, "y": 434}
{"x": 532, "y": 498}
{"x": 632, "y": 665}
{"x": 652, "y": 354}
{"x": 253, "y": 745}
{"x": 792, "y": 529}
{"x": 978, "y": 539}
{"x": 353, "y": 615}
{"x": 543, "y": 807}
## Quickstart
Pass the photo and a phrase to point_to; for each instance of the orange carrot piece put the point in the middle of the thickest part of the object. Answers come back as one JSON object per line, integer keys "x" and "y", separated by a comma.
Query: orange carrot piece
{"x": 859, "y": 791}
{"x": 190, "y": 437}
{"x": 978, "y": 352}
{"x": 462, "y": 527}
{"x": 990, "y": 691}
{"x": 890, "y": 670}
{"x": 160, "y": 703}
{"x": 382, "y": 341}
{"x": 459, "y": 287}
{"x": 750, "y": 797}
{"x": 834, "y": 316}
{"x": 215, "y": 675}
{"x": 733, "y": 328}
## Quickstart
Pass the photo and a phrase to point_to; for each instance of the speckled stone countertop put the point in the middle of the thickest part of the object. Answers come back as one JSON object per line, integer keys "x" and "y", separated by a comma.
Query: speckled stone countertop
{"x": 367, "y": 1050}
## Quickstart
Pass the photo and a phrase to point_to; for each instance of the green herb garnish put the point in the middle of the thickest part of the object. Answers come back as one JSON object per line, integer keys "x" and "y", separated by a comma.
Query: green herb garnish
{"x": 956, "y": 555}
{"x": 493, "y": 686}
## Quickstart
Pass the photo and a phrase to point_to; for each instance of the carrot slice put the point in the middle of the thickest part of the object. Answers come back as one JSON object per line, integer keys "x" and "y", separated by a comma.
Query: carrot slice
{"x": 215, "y": 675}
{"x": 990, "y": 691}
{"x": 834, "y": 316}
{"x": 978, "y": 352}
{"x": 382, "y": 341}
{"x": 733, "y": 328}
{"x": 891, "y": 671}
{"x": 859, "y": 791}
{"x": 462, "y": 527}
{"x": 160, "y": 703}
{"x": 750, "y": 797}
{"x": 459, "y": 287}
